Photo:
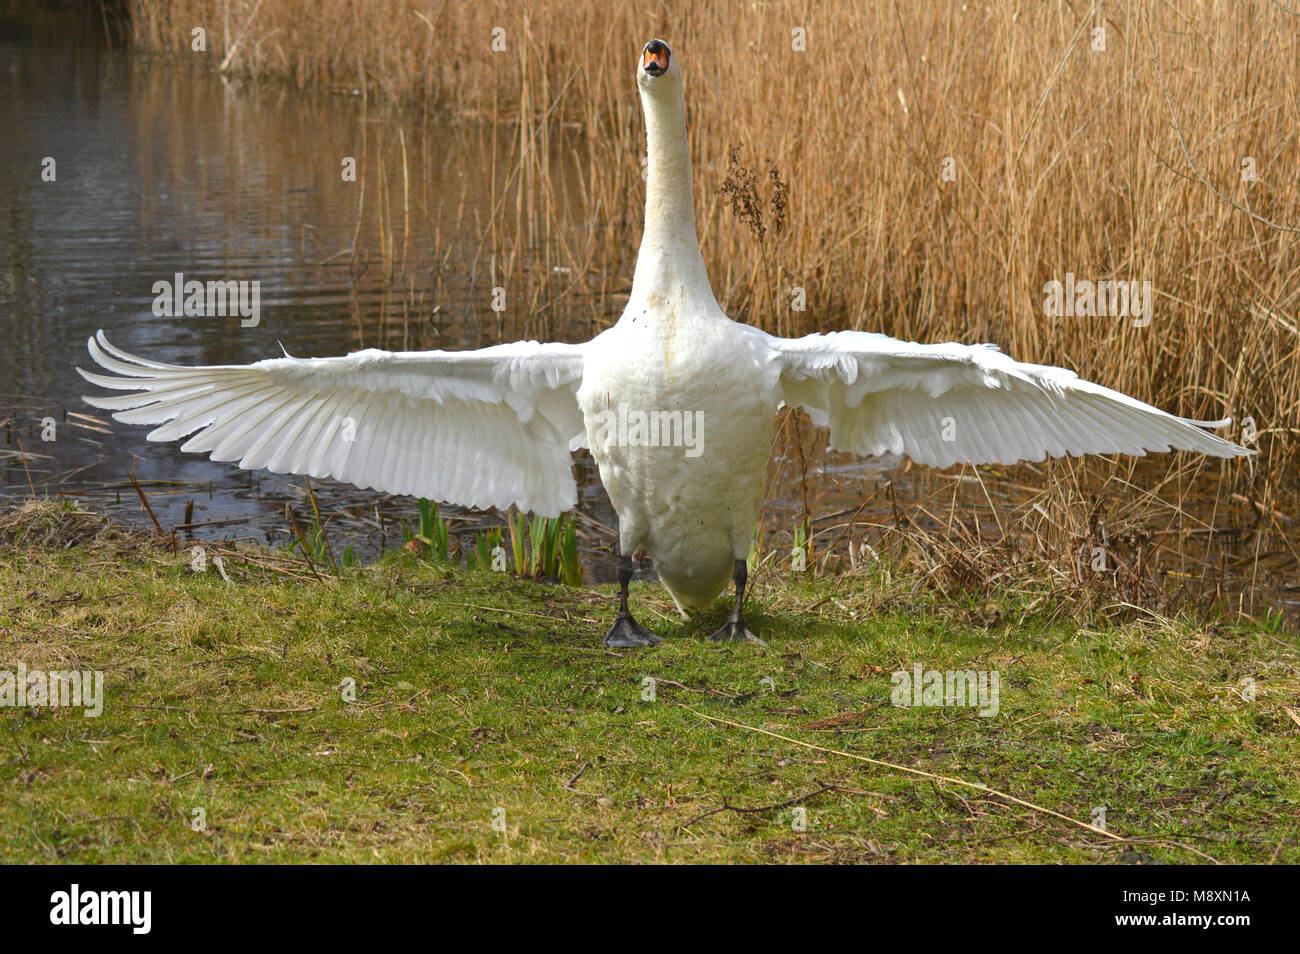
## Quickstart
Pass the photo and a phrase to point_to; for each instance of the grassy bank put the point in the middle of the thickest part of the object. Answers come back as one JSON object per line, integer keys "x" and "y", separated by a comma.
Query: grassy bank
{"x": 944, "y": 162}
{"x": 478, "y": 696}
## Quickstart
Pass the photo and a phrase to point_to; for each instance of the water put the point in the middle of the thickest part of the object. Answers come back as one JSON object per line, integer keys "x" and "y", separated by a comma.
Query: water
{"x": 163, "y": 168}
{"x": 159, "y": 170}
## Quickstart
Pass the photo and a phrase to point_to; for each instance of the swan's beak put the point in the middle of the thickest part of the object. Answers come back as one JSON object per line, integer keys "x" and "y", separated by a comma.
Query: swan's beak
{"x": 654, "y": 59}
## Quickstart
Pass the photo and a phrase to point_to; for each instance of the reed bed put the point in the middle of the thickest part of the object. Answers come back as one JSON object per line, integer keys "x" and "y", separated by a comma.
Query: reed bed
{"x": 944, "y": 161}
{"x": 934, "y": 165}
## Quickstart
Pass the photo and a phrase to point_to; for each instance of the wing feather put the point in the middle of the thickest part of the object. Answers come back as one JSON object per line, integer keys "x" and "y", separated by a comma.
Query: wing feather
{"x": 486, "y": 428}
{"x": 951, "y": 403}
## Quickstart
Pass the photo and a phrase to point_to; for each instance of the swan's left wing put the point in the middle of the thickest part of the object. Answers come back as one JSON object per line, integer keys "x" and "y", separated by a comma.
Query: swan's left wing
{"x": 950, "y": 403}
{"x": 486, "y": 428}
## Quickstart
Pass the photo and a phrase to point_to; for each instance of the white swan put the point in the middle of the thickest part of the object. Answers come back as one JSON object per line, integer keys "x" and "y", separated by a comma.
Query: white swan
{"x": 676, "y": 402}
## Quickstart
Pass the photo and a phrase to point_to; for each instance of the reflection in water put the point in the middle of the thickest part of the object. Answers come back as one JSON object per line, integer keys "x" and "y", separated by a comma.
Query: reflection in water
{"x": 164, "y": 169}
{"x": 159, "y": 171}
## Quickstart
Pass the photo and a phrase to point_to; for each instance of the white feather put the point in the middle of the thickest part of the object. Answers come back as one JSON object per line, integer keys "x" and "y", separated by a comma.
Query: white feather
{"x": 488, "y": 428}
{"x": 944, "y": 404}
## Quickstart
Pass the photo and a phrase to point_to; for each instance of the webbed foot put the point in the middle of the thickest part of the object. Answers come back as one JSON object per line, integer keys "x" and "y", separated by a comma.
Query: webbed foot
{"x": 735, "y": 629}
{"x": 627, "y": 633}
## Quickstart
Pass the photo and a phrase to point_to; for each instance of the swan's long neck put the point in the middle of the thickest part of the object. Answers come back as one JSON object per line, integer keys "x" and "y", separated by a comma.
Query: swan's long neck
{"x": 669, "y": 262}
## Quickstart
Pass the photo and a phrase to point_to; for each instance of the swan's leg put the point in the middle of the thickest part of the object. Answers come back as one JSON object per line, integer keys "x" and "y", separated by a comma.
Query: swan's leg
{"x": 734, "y": 627}
{"x": 627, "y": 633}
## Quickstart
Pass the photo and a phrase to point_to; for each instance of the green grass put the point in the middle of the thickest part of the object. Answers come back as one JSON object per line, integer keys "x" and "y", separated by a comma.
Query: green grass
{"x": 478, "y": 693}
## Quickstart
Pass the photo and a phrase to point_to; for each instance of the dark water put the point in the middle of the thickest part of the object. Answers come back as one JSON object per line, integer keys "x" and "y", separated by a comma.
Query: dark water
{"x": 163, "y": 168}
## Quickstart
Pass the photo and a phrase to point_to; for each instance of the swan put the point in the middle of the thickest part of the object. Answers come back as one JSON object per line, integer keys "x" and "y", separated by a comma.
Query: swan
{"x": 676, "y": 403}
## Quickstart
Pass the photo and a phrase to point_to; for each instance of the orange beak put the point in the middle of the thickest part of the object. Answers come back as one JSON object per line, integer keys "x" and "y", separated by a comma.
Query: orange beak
{"x": 657, "y": 59}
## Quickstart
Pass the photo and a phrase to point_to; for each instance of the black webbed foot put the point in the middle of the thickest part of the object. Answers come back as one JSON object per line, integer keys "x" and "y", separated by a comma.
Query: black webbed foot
{"x": 627, "y": 633}
{"x": 735, "y": 629}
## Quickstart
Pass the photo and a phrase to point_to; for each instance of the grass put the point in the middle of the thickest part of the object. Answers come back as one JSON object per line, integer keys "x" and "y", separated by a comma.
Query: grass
{"x": 481, "y": 697}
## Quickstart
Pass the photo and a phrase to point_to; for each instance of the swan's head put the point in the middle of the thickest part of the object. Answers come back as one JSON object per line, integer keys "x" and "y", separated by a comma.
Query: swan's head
{"x": 657, "y": 69}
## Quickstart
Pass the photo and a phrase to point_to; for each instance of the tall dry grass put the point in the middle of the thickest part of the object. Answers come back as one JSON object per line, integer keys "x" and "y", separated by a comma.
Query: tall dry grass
{"x": 1117, "y": 164}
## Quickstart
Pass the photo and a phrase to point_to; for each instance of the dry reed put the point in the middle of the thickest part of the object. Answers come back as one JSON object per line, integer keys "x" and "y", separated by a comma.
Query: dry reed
{"x": 1119, "y": 164}
{"x": 943, "y": 162}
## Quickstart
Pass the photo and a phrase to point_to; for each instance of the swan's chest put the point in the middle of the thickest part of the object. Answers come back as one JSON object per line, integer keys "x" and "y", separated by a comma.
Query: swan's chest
{"x": 675, "y": 363}
{"x": 667, "y": 401}
{"x": 679, "y": 420}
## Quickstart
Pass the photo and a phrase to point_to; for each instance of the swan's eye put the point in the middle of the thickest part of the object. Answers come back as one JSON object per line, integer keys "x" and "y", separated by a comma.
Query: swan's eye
{"x": 655, "y": 58}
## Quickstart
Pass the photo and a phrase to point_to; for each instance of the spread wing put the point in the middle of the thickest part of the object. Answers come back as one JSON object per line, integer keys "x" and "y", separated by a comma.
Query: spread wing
{"x": 486, "y": 428}
{"x": 944, "y": 404}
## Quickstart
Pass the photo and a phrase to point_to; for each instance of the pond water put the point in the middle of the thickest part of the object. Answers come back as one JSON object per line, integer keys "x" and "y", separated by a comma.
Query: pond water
{"x": 127, "y": 172}
{"x": 120, "y": 171}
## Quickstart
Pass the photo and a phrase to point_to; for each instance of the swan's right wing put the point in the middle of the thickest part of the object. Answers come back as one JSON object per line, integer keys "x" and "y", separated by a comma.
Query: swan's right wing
{"x": 943, "y": 404}
{"x": 486, "y": 428}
